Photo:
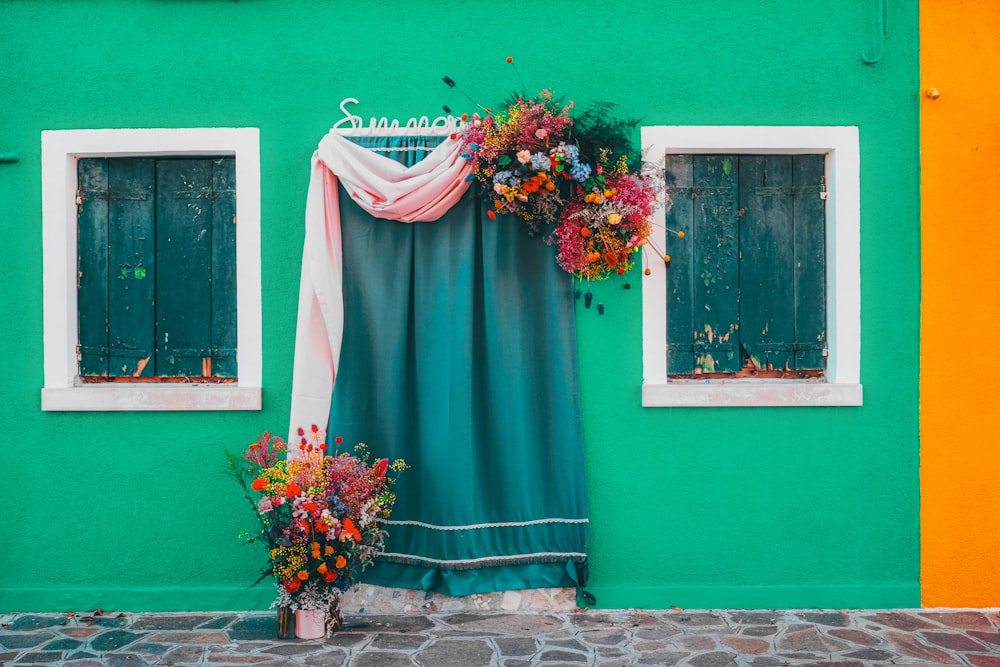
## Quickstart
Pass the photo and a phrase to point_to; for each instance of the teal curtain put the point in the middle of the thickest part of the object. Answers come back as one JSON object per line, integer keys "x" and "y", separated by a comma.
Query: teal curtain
{"x": 459, "y": 356}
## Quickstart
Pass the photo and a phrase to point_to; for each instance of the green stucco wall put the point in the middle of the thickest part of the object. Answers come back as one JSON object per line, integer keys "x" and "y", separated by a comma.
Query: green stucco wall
{"x": 734, "y": 507}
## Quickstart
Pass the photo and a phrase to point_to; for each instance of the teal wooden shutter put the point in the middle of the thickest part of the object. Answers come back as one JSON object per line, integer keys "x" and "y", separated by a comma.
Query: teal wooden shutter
{"x": 157, "y": 267}
{"x": 782, "y": 262}
{"x": 116, "y": 259}
{"x": 92, "y": 265}
{"x": 195, "y": 208}
{"x": 224, "y": 267}
{"x": 703, "y": 283}
{"x": 811, "y": 343}
{"x": 746, "y": 288}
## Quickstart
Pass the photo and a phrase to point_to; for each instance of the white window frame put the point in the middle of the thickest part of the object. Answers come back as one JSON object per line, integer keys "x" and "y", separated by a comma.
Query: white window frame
{"x": 63, "y": 389}
{"x": 842, "y": 384}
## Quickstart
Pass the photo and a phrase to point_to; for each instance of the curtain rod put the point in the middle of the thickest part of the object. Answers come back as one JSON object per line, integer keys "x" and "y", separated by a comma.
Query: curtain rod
{"x": 354, "y": 125}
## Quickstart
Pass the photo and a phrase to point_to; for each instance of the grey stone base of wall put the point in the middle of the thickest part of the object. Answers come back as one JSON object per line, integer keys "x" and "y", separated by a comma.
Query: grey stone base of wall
{"x": 369, "y": 599}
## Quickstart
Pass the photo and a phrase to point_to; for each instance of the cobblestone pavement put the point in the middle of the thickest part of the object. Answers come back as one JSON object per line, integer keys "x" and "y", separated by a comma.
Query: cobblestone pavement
{"x": 757, "y": 638}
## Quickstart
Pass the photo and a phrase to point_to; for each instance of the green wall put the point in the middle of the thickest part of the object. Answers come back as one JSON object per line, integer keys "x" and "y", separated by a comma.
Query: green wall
{"x": 737, "y": 507}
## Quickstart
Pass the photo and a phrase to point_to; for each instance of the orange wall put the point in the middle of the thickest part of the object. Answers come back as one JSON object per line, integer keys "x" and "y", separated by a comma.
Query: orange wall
{"x": 960, "y": 356}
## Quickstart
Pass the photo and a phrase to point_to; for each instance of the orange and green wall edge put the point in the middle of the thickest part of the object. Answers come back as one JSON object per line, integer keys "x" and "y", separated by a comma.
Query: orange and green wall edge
{"x": 960, "y": 237}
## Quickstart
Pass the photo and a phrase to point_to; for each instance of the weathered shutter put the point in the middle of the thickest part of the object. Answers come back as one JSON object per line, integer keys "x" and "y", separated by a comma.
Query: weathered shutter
{"x": 116, "y": 260}
{"x": 224, "y": 268}
{"x": 194, "y": 221}
{"x": 157, "y": 267}
{"x": 702, "y": 287}
{"x": 782, "y": 261}
{"x": 92, "y": 265}
{"x": 810, "y": 262}
{"x": 746, "y": 286}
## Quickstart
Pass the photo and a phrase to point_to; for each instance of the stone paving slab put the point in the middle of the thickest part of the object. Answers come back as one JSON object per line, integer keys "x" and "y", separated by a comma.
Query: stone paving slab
{"x": 610, "y": 638}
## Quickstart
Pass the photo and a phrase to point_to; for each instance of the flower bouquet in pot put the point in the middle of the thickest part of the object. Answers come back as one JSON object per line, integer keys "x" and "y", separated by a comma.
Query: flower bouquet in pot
{"x": 318, "y": 516}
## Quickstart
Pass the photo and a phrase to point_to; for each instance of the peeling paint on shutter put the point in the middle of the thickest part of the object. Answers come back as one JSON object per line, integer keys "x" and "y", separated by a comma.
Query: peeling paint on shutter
{"x": 157, "y": 268}
{"x": 747, "y": 286}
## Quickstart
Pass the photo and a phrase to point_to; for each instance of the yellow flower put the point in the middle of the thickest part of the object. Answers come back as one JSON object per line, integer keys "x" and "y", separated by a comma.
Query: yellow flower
{"x": 614, "y": 218}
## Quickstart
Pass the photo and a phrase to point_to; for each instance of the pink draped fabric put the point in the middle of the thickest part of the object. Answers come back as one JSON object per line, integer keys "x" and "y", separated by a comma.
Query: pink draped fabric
{"x": 384, "y": 188}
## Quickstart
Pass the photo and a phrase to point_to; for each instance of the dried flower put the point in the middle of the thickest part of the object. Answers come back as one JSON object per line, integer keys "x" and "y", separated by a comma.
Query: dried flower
{"x": 318, "y": 514}
{"x": 534, "y": 160}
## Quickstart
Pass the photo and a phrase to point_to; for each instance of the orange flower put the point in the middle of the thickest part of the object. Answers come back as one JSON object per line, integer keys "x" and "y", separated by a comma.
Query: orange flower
{"x": 259, "y": 484}
{"x": 310, "y": 506}
{"x": 585, "y": 232}
{"x": 321, "y": 526}
{"x": 292, "y": 490}
{"x": 322, "y": 568}
{"x": 328, "y": 550}
{"x": 302, "y": 575}
{"x": 611, "y": 258}
{"x": 341, "y": 562}
{"x": 350, "y": 529}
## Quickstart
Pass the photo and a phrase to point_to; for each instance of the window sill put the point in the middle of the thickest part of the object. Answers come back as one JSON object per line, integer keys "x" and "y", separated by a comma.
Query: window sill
{"x": 750, "y": 393}
{"x": 116, "y": 397}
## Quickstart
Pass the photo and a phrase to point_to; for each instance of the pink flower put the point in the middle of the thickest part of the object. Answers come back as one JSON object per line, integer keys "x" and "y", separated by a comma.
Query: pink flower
{"x": 264, "y": 505}
{"x": 541, "y": 133}
{"x": 524, "y": 157}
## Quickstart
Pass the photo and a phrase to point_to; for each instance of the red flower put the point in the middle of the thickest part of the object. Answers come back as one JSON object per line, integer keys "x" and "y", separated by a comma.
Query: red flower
{"x": 293, "y": 490}
{"x": 310, "y": 506}
{"x": 292, "y": 585}
{"x": 259, "y": 484}
{"x": 381, "y": 468}
{"x": 329, "y": 576}
{"x": 491, "y": 215}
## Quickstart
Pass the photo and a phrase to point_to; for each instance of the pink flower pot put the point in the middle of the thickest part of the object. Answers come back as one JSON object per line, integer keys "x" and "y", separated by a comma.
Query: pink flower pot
{"x": 310, "y": 624}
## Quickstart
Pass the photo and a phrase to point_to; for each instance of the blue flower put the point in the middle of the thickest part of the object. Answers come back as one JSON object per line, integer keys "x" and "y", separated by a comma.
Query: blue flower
{"x": 505, "y": 177}
{"x": 580, "y": 172}
{"x": 474, "y": 146}
{"x": 541, "y": 162}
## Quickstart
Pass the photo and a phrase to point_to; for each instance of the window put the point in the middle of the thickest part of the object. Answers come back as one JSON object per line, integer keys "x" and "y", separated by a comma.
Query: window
{"x": 760, "y": 301}
{"x": 152, "y": 269}
{"x": 746, "y": 285}
{"x": 156, "y": 269}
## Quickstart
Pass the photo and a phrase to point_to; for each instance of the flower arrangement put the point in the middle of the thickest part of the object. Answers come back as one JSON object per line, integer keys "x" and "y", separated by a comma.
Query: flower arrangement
{"x": 535, "y": 160}
{"x": 318, "y": 514}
